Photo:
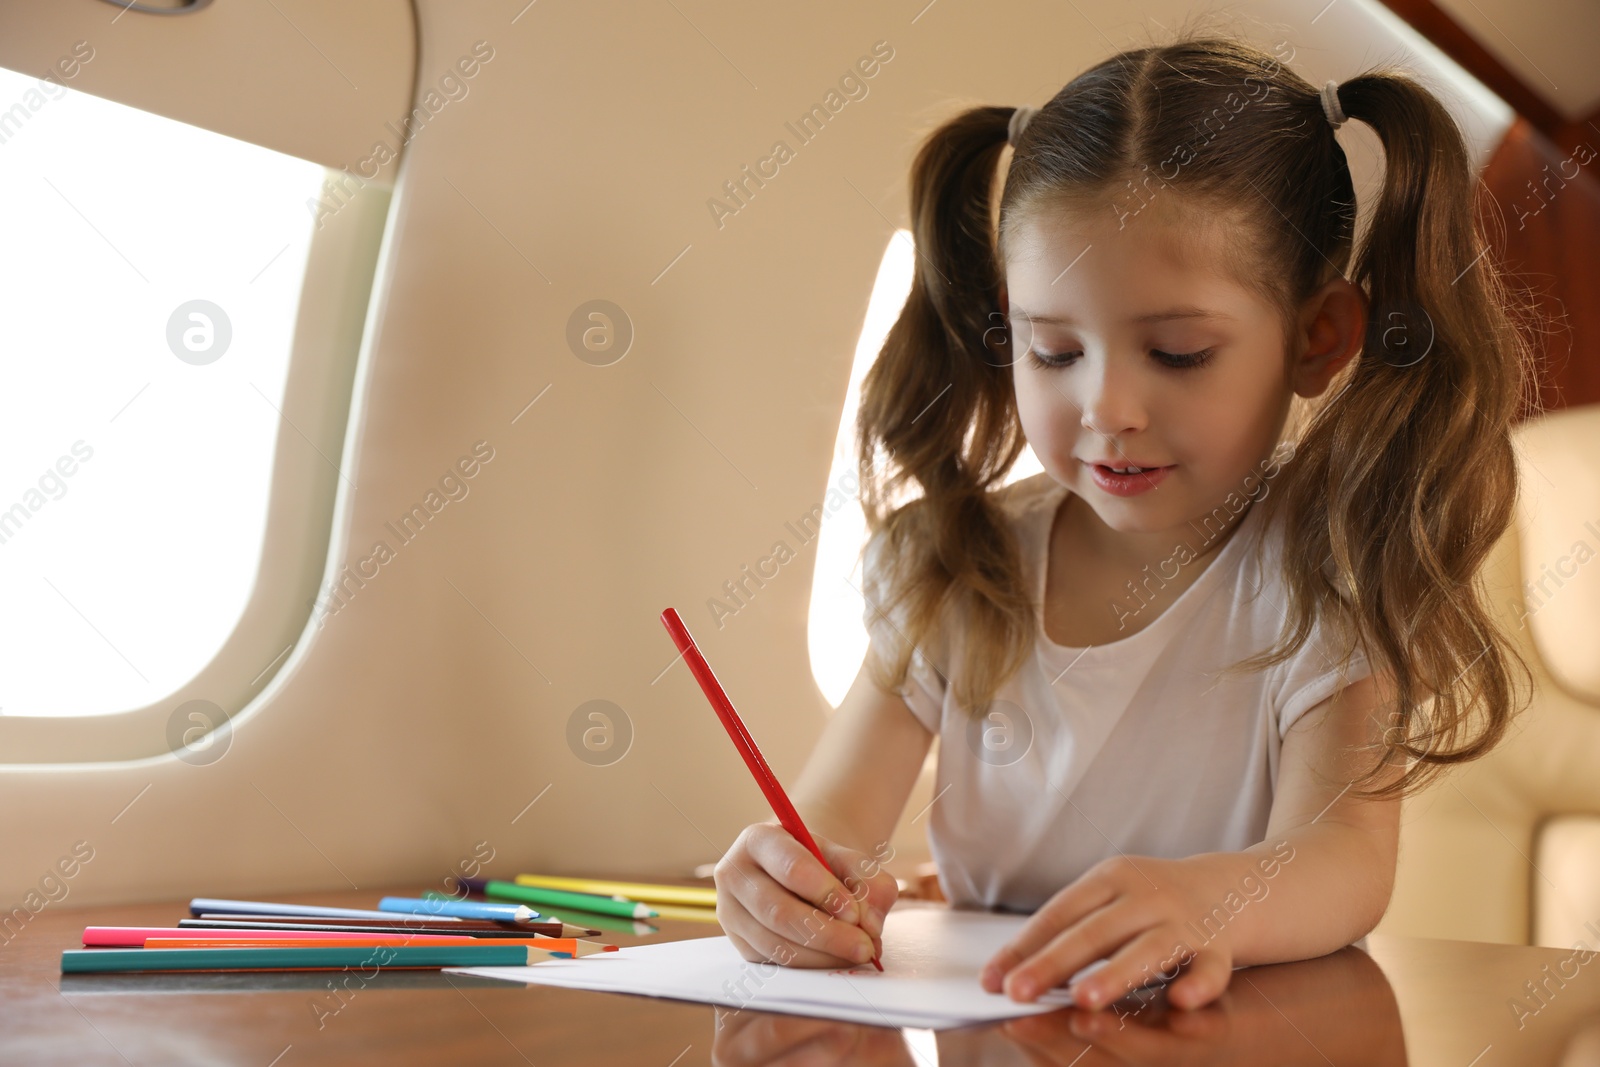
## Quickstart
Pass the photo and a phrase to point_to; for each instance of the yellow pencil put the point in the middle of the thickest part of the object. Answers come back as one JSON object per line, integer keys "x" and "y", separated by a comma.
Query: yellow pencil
{"x": 685, "y": 913}
{"x": 694, "y": 896}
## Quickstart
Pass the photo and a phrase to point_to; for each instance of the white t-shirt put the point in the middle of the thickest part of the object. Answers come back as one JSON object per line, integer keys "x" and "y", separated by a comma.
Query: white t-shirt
{"x": 1136, "y": 746}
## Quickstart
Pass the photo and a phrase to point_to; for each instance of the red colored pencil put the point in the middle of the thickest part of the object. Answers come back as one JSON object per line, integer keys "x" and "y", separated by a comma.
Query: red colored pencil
{"x": 788, "y": 818}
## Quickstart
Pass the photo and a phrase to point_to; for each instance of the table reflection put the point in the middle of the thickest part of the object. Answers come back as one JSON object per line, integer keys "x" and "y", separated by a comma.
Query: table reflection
{"x": 1337, "y": 1008}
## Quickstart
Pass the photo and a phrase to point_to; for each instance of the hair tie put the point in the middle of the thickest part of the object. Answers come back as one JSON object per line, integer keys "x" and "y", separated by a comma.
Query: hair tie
{"x": 1019, "y": 121}
{"x": 1330, "y": 104}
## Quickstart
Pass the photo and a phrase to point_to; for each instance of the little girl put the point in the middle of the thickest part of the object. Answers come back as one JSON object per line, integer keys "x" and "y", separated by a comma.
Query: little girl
{"x": 1182, "y": 677}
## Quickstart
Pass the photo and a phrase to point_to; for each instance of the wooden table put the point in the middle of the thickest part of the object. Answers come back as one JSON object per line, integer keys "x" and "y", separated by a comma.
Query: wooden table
{"x": 1403, "y": 1001}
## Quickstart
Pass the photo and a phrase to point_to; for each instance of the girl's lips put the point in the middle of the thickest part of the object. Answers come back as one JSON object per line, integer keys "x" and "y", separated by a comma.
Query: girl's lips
{"x": 1121, "y": 461}
{"x": 1127, "y": 484}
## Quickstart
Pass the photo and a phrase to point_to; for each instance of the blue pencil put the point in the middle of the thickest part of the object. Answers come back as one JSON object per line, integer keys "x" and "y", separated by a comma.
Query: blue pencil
{"x": 213, "y": 906}
{"x": 459, "y": 909}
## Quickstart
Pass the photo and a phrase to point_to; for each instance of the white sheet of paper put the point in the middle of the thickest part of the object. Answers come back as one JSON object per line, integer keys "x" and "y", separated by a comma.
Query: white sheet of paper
{"x": 931, "y": 960}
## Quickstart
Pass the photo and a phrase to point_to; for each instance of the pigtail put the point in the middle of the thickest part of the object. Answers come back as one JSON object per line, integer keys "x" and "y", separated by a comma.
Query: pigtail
{"x": 1405, "y": 480}
{"x": 937, "y": 409}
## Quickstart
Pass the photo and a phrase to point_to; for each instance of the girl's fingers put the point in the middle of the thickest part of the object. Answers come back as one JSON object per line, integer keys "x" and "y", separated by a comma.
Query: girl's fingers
{"x": 744, "y": 947}
{"x": 873, "y": 888}
{"x": 779, "y": 926}
{"x": 792, "y": 866}
{"x": 1058, "y": 913}
{"x": 757, "y": 944}
{"x": 1094, "y": 937}
{"x": 1204, "y": 980}
{"x": 1143, "y": 960}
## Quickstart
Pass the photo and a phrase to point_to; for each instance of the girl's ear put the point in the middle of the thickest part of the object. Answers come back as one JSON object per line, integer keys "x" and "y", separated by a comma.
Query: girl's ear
{"x": 1333, "y": 325}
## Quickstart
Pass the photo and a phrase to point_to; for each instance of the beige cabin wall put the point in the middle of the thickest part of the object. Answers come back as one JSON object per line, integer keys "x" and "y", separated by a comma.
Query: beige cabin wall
{"x": 427, "y": 714}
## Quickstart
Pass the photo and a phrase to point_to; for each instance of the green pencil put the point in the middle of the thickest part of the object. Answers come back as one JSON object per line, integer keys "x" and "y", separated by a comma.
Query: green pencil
{"x": 560, "y": 898}
{"x": 81, "y": 961}
{"x": 637, "y": 927}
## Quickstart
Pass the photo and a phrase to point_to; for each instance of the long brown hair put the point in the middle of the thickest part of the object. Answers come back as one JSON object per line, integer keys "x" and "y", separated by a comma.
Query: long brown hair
{"x": 1402, "y": 478}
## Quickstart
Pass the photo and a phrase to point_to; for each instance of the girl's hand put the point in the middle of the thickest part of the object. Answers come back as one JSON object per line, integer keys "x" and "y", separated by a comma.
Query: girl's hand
{"x": 1140, "y": 912}
{"x": 777, "y": 903}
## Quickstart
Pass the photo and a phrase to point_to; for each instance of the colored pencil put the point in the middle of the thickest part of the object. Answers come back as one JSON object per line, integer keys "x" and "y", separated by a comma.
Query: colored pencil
{"x": 651, "y": 893}
{"x": 560, "y": 898}
{"x": 684, "y": 913}
{"x": 788, "y": 817}
{"x": 134, "y": 936}
{"x": 87, "y": 960}
{"x": 208, "y": 905}
{"x": 550, "y": 929}
{"x": 459, "y": 909}
{"x": 395, "y": 918}
{"x": 570, "y": 946}
{"x": 636, "y": 927}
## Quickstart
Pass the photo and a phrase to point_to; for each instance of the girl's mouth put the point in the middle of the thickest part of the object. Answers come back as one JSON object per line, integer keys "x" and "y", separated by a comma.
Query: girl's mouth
{"x": 1128, "y": 479}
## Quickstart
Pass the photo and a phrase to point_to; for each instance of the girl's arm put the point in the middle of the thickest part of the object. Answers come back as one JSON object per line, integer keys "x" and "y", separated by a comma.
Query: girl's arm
{"x": 1320, "y": 880}
{"x": 774, "y": 900}
{"x": 1337, "y": 855}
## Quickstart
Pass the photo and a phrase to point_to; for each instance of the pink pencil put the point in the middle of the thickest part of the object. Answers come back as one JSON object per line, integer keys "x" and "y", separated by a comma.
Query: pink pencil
{"x": 133, "y": 936}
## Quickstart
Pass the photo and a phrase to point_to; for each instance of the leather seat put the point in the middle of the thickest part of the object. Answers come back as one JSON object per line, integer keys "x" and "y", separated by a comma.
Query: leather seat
{"x": 1507, "y": 849}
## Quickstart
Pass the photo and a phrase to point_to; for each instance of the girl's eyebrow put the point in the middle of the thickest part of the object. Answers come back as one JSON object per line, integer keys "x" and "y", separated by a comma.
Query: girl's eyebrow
{"x": 1154, "y": 316}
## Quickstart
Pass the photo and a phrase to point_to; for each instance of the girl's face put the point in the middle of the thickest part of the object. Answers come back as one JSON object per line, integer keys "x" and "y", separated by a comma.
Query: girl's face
{"x": 1157, "y": 358}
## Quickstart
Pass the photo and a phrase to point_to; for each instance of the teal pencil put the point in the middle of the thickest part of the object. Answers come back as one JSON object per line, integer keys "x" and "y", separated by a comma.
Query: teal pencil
{"x": 561, "y": 898}
{"x": 81, "y": 961}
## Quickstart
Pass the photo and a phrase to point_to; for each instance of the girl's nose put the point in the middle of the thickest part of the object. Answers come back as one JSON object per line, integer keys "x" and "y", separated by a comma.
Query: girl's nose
{"x": 1111, "y": 403}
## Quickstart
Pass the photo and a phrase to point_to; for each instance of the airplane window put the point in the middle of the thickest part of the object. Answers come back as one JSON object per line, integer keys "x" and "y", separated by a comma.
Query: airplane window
{"x": 150, "y": 279}
{"x": 836, "y": 634}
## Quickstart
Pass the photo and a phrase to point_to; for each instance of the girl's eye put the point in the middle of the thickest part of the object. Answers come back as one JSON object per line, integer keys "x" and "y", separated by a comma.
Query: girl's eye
{"x": 1184, "y": 359}
{"x": 1178, "y": 360}
{"x": 1046, "y": 362}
